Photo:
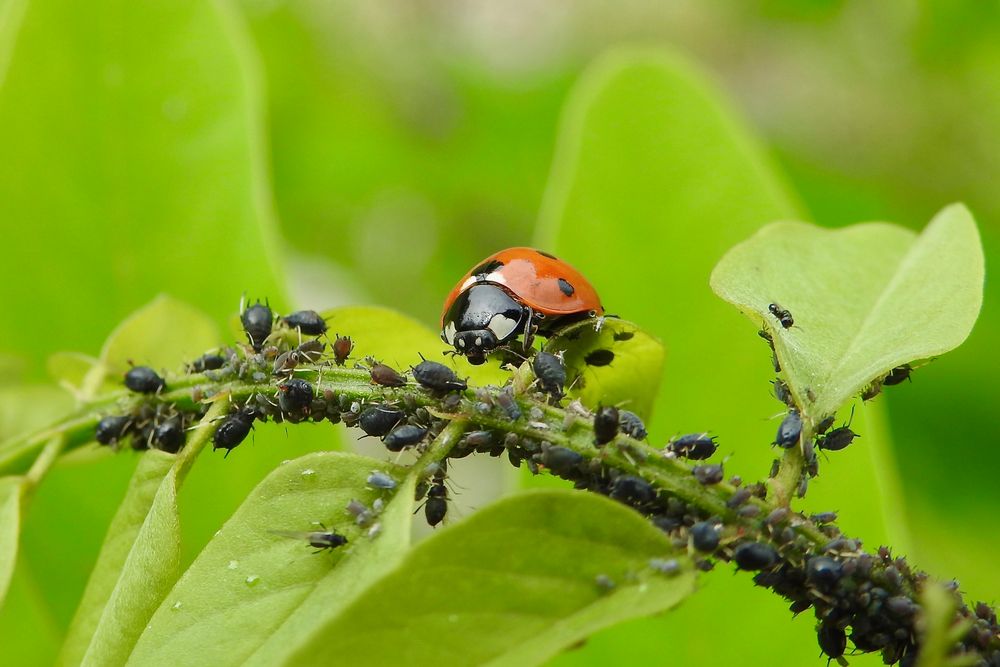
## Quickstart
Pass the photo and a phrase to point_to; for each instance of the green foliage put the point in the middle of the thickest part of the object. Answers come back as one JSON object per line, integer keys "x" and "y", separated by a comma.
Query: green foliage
{"x": 271, "y": 591}
{"x": 865, "y": 299}
{"x": 131, "y": 171}
{"x": 615, "y": 364}
{"x": 153, "y": 179}
{"x": 512, "y": 585}
{"x": 11, "y": 489}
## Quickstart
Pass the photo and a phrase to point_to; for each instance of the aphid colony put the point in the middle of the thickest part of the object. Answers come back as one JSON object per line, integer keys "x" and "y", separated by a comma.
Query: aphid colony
{"x": 857, "y": 597}
{"x": 162, "y": 424}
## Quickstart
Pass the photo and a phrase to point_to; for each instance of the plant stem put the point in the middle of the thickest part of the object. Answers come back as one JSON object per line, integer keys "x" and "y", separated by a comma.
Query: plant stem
{"x": 542, "y": 437}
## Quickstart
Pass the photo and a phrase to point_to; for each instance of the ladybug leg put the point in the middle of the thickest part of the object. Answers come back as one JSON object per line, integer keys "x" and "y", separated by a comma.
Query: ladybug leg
{"x": 529, "y": 331}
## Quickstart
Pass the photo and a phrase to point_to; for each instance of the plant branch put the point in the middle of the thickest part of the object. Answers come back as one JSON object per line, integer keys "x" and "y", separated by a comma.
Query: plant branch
{"x": 873, "y": 595}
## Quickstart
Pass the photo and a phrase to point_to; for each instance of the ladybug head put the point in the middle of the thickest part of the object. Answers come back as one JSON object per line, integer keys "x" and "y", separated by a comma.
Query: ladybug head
{"x": 475, "y": 345}
{"x": 481, "y": 319}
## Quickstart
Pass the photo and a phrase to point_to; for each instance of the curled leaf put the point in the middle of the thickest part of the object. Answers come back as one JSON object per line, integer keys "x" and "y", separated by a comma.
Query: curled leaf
{"x": 616, "y": 363}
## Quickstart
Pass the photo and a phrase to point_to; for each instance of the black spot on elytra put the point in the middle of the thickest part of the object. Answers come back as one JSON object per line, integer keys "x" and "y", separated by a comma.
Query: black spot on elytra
{"x": 624, "y": 335}
{"x": 599, "y": 358}
{"x": 545, "y": 254}
{"x": 487, "y": 268}
{"x": 565, "y": 287}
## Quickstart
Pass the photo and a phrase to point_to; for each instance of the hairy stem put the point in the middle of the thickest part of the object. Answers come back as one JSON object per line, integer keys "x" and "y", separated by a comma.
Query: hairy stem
{"x": 535, "y": 433}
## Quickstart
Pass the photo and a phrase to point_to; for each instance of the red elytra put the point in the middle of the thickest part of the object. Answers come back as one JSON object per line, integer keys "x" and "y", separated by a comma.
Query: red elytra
{"x": 535, "y": 278}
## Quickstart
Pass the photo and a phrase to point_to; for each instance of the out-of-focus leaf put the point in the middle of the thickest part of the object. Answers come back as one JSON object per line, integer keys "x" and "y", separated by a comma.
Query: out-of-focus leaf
{"x": 11, "y": 489}
{"x": 254, "y": 593}
{"x": 514, "y": 584}
{"x": 163, "y": 333}
{"x": 865, "y": 299}
{"x": 70, "y": 370}
{"x": 149, "y": 337}
{"x": 155, "y": 179}
{"x": 654, "y": 179}
{"x": 616, "y": 364}
{"x": 22, "y": 410}
{"x": 132, "y": 165}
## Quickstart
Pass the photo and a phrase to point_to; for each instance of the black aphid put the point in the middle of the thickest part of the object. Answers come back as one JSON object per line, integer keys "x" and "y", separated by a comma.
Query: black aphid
{"x": 437, "y": 377}
{"x": 257, "y": 321}
{"x": 505, "y": 399}
{"x": 705, "y": 536}
{"x": 168, "y": 435}
{"x": 380, "y": 419}
{"x": 404, "y": 436}
{"x": 789, "y": 430}
{"x": 113, "y": 428}
{"x": 436, "y": 506}
{"x": 824, "y": 572}
{"x": 755, "y": 556}
{"x": 561, "y": 460}
{"x": 897, "y": 375}
{"x": 832, "y": 639}
{"x": 605, "y": 425}
{"x": 295, "y": 395}
{"x": 232, "y": 431}
{"x": 308, "y": 322}
{"x": 550, "y": 372}
{"x": 207, "y": 362}
{"x": 632, "y": 490}
{"x": 695, "y": 446}
{"x": 144, "y": 380}
{"x": 837, "y": 439}
{"x": 708, "y": 474}
{"x": 631, "y": 425}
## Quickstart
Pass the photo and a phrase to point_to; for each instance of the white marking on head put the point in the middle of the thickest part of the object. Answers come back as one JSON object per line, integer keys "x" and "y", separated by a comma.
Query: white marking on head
{"x": 461, "y": 342}
{"x": 479, "y": 341}
{"x": 501, "y": 326}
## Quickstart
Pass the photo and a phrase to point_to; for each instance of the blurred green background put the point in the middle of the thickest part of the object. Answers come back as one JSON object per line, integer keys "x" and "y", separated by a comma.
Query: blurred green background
{"x": 324, "y": 153}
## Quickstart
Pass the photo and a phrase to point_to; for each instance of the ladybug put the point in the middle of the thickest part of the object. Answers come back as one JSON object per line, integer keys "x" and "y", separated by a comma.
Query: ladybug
{"x": 515, "y": 291}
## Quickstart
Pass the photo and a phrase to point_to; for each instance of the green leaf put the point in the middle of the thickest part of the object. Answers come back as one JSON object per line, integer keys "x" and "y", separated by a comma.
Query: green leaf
{"x": 617, "y": 364}
{"x": 252, "y": 593}
{"x": 134, "y": 586}
{"x": 155, "y": 179}
{"x": 865, "y": 299}
{"x": 11, "y": 489}
{"x": 120, "y": 538}
{"x": 70, "y": 371}
{"x": 513, "y": 584}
